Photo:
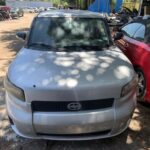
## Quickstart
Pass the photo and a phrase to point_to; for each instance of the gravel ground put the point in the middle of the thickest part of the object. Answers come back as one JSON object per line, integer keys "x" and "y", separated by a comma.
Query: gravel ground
{"x": 137, "y": 136}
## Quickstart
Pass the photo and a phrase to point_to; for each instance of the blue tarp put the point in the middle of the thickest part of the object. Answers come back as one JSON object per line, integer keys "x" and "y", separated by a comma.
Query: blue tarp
{"x": 104, "y": 6}
{"x": 118, "y": 5}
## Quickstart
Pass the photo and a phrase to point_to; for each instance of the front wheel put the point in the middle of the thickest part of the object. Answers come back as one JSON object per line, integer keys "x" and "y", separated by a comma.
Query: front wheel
{"x": 141, "y": 85}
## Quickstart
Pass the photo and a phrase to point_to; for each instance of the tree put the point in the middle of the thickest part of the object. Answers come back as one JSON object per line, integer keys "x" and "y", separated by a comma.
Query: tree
{"x": 2, "y": 2}
{"x": 80, "y": 4}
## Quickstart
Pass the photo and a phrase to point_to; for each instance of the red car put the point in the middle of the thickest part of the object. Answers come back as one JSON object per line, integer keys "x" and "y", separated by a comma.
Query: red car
{"x": 5, "y": 8}
{"x": 134, "y": 41}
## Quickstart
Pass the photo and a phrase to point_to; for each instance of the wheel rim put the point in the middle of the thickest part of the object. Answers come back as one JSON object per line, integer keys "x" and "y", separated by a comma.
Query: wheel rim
{"x": 141, "y": 84}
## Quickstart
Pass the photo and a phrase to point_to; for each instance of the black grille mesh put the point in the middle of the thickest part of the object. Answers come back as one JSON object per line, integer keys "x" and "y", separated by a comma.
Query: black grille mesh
{"x": 62, "y": 106}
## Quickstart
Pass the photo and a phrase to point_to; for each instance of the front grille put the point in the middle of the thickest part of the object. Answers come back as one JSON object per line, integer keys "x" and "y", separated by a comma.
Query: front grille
{"x": 65, "y": 106}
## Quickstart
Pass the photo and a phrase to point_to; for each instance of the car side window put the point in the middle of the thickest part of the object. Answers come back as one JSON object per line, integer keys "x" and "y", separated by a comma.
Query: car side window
{"x": 131, "y": 29}
{"x": 140, "y": 33}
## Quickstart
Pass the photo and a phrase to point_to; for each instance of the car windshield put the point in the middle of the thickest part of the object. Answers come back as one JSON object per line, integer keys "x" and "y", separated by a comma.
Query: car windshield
{"x": 61, "y": 32}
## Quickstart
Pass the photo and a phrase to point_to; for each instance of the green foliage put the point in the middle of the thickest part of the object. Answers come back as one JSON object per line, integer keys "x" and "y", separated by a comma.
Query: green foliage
{"x": 64, "y": 3}
{"x": 2, "y": 2}
{"x": 83, "y": 4}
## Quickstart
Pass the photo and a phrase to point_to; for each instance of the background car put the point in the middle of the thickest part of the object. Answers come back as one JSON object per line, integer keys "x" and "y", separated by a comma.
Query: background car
{"x": 16, "y": 12}
{"x": 33, "y": 10}
{"x": 5, "y": 8}
{"x": 135, "y": 43}
{"x": 30, "y": 9}
{"x": 26, "y": 9}
{"x": 41, "y": 9}
{"x": 4, "y": 13}
{"x": 36, "y": 10}
{"x": 51, "y": 8}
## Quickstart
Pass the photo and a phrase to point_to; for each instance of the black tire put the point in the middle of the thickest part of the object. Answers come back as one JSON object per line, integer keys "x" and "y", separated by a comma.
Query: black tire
{"x": 141, "y": 84}
{"x": 1, "y": 17}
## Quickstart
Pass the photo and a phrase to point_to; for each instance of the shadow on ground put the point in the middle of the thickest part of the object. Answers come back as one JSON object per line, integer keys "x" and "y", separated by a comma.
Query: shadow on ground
{"x": 13, "y": 43}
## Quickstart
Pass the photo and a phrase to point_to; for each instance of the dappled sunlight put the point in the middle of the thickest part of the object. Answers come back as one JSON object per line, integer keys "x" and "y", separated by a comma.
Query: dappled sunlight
{"x": 74, "y": 67}
{"x": 89, "y": 77}
{"x": 74, "y": 72}
{"x": 46, "y": 82}
{"x": 104, "y": 65}
{"x": 10, "y": 45}
{"x": 135, "y": 125}
{"x": 122, "y": 72}
{"x": 129, "y": 140}
{"x": 5, "y": 130}
{"x": 100, "y": 71}
{"x": 79, "y": 70}
{"x": 71, "y": 74}
{"x": 69, "y": 31}
{"x": 64, "y": 62}
{"x": 69, "y": 82}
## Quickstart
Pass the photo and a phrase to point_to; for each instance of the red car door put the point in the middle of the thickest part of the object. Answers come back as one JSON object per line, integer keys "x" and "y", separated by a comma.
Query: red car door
{"x": 128, "y": 44}
{"x": 134, "y": 47}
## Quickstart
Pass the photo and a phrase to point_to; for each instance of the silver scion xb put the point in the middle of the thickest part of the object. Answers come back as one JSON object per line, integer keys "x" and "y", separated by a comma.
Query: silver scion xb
{"x": 69, "y": 82}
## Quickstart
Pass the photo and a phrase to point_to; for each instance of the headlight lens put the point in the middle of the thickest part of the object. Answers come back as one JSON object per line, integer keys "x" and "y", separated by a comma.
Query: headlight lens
{"x": 128, "y": 87}
{"x": 13, "y": 89}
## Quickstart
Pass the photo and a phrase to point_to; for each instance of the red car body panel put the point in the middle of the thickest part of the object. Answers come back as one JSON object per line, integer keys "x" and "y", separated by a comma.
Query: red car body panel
{"x": 139, "y": 54}
{"x": 5, "y": 8}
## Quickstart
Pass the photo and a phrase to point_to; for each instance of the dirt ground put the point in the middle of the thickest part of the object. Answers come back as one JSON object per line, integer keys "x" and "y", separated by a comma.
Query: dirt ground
{"x": 136, "y": 137}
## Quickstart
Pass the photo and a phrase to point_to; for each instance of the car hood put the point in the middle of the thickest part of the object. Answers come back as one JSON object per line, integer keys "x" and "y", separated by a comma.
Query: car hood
{"x": 108, "y": 69}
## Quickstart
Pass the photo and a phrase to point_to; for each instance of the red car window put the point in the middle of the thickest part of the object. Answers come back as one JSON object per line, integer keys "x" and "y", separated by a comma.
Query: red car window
{"x": 140, "y": 33}
{"x": 131, "y": 29}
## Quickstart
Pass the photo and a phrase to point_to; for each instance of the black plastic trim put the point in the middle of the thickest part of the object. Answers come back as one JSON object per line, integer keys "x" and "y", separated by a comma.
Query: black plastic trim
{"x": 62, "y": 106}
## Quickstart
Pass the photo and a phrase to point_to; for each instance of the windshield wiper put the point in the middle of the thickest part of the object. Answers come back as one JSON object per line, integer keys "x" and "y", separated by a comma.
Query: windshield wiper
{"x": 41, "y": 45}
{"x": 86, "y": 47}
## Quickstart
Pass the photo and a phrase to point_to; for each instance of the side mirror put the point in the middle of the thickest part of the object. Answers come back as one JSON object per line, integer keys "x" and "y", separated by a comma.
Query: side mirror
{"x": 118, "y": 36}
{"x": 21, "y": 35}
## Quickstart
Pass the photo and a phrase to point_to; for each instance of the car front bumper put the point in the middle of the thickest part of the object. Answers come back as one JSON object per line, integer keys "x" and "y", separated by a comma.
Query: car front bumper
{"x": 83, "y": 125}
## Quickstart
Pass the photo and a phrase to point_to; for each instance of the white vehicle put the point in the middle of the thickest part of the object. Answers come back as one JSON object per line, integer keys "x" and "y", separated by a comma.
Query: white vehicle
{"x": 41, "y": 9}
{"x": 69, "y": 82}
{"x": 51, "y": 8}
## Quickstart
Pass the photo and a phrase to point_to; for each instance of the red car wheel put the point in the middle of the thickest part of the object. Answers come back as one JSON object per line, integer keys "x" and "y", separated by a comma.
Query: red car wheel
{"x": 141, "y": 84}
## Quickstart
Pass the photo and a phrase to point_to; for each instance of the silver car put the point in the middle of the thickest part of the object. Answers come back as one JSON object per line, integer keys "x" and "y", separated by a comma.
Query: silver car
{"x": 69, "y": 82}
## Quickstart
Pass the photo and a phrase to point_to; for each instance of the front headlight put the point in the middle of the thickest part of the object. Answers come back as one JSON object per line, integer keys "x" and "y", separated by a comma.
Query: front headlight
{"x": 128, "y": 87}
{"x": 13, "y": 89}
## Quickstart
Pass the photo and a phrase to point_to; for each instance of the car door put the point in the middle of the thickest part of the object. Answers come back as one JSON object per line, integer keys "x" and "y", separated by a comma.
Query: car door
{"x": 132, "y": 41}
{"x": 139, "y": 47}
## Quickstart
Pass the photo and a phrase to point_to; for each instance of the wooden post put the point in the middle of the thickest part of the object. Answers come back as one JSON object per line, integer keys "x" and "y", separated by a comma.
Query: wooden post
{"x": 140, "y": 8}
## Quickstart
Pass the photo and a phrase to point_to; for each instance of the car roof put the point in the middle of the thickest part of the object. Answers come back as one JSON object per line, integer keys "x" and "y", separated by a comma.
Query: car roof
{"x": 70, "y": 13}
